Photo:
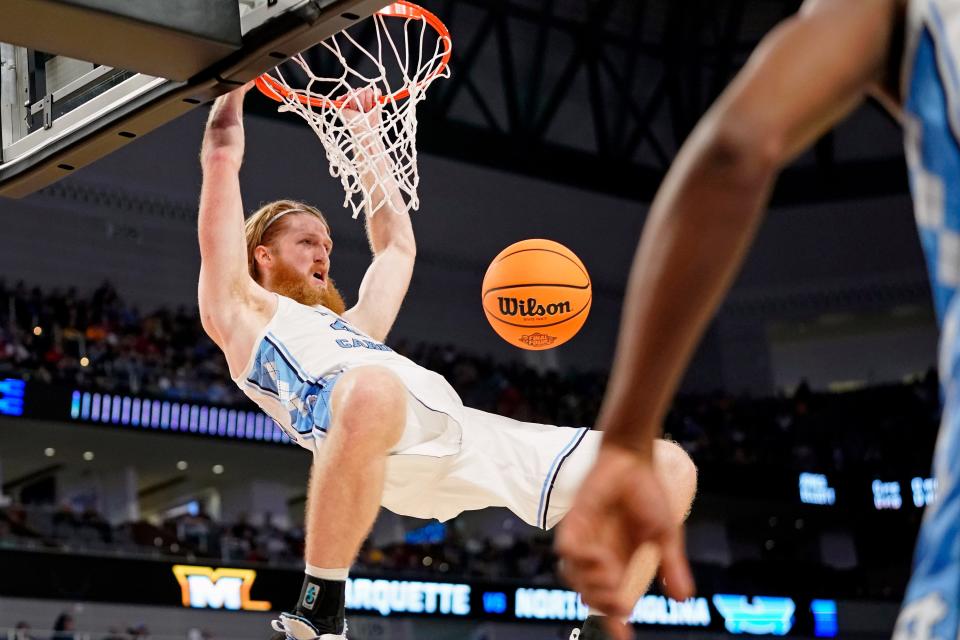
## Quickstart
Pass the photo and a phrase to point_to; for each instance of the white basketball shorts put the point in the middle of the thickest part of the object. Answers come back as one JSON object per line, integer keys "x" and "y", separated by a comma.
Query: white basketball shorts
{"x": 532, "y": 469}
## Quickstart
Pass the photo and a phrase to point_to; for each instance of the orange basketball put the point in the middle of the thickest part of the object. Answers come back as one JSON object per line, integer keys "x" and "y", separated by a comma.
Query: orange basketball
{"x": 536, "y": 294}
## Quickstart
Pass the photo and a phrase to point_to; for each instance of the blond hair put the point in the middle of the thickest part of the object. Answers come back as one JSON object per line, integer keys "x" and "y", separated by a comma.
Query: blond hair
{"x": 263, "y": 226}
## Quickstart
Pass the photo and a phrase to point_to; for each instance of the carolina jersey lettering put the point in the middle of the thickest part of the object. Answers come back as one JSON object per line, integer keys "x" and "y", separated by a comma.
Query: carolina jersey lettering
{"x": 362, "y": 344}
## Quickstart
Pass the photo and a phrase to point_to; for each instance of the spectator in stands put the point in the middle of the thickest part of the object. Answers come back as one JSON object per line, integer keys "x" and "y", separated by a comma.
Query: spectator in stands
{"x": 65, "y": 521}
{"x": 242, "y": 529}
{"x": 22, "y": 632}
{"x": 92, "y": 519}
{"x": 199, "y": 532}
{"x": 14, "y": 518}
{"x": 63, "y": 628}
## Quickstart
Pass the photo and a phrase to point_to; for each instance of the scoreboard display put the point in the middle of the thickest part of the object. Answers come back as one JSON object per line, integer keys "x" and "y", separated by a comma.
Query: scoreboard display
{"x": 138, "y": 412}
{"x": 59, "y": 576}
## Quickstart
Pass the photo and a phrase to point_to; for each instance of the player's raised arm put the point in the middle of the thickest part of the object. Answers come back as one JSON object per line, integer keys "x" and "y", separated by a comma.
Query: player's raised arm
{"x": 389, "y": 230}
{"x": 224, "y": 279}
{"x": 804, "y": 77}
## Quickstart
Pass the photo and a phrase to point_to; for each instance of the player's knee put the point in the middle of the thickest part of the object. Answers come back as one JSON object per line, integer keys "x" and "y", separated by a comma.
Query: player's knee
{"x": 678, "y": 473}
{"x": 369, "y": 406}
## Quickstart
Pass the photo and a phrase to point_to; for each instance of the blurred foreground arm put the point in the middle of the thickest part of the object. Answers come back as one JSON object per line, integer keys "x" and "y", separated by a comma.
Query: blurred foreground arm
{"x": 805, "y": 76}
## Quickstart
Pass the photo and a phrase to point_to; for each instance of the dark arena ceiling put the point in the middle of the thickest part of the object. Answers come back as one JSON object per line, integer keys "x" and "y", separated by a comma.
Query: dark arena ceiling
{"x": 601, "y": 94}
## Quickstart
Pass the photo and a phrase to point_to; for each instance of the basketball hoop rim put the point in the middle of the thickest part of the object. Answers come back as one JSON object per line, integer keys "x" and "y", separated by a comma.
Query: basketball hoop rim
{"x": 275, "y": 90}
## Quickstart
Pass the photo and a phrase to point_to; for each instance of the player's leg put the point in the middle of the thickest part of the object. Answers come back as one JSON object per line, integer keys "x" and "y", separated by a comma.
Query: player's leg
{"x": 678, "y": 474}
{"x": 368, "y": 413}
{"x": 930, "y": 606}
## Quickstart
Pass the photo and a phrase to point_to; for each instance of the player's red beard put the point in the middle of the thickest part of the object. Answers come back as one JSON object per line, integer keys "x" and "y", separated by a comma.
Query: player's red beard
{"x": 296, "y": 286}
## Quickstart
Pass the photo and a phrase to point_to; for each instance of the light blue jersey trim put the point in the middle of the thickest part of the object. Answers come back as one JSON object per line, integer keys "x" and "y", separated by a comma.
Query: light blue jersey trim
{"x": 285, "y": 352}
{"x": 551, "y": 476}
{"x": 305, "y": 399}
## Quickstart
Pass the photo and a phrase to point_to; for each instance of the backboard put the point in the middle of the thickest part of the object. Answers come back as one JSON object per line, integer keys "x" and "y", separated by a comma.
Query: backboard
{"x": 100, "y": 73}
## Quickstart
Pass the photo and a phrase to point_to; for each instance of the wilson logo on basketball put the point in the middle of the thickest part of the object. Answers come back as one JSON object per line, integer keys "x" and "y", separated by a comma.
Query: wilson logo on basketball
{"x": 530, "y": 307}
{"x": 537, "y": 340}
{"x": 536, "y": 294}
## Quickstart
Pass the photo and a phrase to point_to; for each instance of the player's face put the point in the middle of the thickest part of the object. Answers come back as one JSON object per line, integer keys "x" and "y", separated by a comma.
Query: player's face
{"x": 305, "y": 247}
{"x": 301, "y": 263}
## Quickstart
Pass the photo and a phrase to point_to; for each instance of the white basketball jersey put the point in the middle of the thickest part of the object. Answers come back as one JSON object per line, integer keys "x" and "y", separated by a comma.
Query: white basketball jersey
{"x": 302, "y": 351}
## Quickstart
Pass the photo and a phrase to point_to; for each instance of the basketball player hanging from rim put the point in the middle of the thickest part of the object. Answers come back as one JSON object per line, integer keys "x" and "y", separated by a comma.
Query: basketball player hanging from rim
{"x": 382, "y": 430}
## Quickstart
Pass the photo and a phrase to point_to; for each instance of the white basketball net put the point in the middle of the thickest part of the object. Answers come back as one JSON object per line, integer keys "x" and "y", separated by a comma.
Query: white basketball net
{"x": 374, "y": 154}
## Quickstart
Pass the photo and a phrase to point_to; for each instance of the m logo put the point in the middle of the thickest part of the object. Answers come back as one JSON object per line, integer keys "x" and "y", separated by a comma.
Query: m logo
{"x": 206, "y": 587}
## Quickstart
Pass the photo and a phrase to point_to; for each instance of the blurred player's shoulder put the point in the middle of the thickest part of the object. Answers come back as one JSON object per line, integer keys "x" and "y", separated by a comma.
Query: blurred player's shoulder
{"x": 892, "y": 14}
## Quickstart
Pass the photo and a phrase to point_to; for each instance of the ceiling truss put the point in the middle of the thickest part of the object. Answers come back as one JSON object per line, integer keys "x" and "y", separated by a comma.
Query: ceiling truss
{"x": 600, "y": 94}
